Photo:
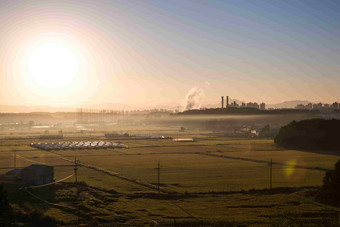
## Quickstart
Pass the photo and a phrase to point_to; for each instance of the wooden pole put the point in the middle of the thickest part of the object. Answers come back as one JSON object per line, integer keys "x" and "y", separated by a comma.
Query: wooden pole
{"x": 15, "y": 160}
{"x": 271, "y": 173}
{"x": 158, "y": 178}
{"x": 75, "y": 169}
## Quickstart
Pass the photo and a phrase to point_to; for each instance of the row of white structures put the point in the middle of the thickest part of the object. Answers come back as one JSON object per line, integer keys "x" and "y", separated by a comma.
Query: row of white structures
{"x": 78, "y": 145}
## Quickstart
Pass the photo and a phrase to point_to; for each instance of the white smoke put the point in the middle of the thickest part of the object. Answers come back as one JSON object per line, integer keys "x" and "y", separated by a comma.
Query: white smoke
{"x": 193, "y": 99}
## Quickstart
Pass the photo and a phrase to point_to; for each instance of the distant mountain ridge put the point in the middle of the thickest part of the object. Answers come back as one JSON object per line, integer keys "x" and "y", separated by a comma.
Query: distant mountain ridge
{"x": 287, "y": 104}
{"x": 29, "y": 109}
{"x": 122, "y": 106}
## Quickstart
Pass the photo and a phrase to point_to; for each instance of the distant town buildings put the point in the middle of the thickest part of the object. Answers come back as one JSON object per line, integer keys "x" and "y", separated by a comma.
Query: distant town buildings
{"x": 262, "y": 106}
{"x": 253, "y": 105}
{"x": 319, "y": 106}
{"x": 323, "y": 107}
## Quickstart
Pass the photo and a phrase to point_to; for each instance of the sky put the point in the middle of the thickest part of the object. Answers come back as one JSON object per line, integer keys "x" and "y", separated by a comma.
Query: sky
{"x": 154, "y": 52}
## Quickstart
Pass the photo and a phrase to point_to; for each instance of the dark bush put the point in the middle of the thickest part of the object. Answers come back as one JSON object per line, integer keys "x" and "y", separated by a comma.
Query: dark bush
{"x": 4, "y": 208}
{"x": 36, "y": 218}
{"x": 330, "y": 190}
{"x": 312, "y": 134}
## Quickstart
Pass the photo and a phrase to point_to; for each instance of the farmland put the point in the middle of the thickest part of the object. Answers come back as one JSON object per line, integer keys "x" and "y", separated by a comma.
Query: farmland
{"x": 217, "y": 179}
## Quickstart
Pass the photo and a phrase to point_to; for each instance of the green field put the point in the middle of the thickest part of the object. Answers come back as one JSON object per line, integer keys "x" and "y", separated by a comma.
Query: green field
{"x": 199, "y": 176}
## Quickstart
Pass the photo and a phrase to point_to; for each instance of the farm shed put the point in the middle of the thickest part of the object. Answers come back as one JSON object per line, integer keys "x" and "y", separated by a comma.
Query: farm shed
{"x": 37, "y": 174}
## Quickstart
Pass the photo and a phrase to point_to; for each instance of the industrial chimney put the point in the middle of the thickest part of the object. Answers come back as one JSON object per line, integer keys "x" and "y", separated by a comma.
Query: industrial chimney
{"x": 227, "y": 104}
{"x": 222, "y": 101}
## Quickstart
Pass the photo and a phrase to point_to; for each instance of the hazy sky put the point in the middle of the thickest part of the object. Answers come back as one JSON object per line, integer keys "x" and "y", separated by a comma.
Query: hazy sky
{"x": 153, "y": 52}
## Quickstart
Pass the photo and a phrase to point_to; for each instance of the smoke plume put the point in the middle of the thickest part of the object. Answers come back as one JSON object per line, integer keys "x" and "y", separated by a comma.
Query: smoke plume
{"x": 193, "y": 99}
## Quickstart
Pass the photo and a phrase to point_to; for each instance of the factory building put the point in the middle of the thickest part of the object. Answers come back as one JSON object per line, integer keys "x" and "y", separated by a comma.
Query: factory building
{"x": 234, "y": 104}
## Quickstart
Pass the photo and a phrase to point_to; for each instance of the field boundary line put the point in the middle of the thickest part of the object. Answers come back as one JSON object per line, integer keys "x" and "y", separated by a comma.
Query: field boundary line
{"x": 187, "y": 212}
{"x": 30, "y": 160}
{"x": 118, "y": 175}
{"x": 262, "y": 161}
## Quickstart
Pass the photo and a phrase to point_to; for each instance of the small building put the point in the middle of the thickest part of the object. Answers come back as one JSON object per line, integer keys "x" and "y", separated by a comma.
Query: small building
{"x": 184, "y": 140}
{"x": 13, "y": 172}
{"x": 254, "y": 133}
{"x": 34, "y": 174}
{"x": 37, "y": 174}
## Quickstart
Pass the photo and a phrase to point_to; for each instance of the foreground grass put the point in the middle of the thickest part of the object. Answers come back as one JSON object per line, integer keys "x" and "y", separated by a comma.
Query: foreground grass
{"x": 97, "y": 206}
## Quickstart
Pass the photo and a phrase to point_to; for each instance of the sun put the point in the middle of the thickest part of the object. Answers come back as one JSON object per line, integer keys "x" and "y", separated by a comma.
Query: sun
{"x": 52, "y": 65}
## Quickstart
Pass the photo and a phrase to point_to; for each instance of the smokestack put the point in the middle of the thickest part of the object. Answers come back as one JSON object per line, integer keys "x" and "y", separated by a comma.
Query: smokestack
{"x": 227, "y": 105}
{"x": 222, "y": 101}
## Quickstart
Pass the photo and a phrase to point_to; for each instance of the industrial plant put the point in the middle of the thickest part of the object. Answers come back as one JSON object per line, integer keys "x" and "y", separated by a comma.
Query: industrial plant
{"x": 261, "y": 106}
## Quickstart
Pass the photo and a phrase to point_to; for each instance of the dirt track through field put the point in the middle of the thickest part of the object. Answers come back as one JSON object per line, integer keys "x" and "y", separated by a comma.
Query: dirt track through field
{"x": 262, "y": 161}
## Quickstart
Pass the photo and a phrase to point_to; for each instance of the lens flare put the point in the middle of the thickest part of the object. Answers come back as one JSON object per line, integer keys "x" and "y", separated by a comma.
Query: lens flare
{"x": 293, "y": 171}
{"x": 290, "y": 168}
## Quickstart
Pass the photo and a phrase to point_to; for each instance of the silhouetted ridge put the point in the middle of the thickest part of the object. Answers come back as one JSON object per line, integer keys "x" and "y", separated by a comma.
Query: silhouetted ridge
{"x": 312, "y": 134}
{"x": 246, "y": 111}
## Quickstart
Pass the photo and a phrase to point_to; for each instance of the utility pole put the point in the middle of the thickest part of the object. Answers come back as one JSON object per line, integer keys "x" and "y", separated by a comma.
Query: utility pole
{"x": 271, "y": 173}
{"x": 15, "y": 159}
{"x": 75, "y": 169}
{"x": 158, "y": 170}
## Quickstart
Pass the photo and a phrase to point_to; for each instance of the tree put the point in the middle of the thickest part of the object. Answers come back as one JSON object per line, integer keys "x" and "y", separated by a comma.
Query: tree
{"x": 265, "y": 131}
{"x": 330, "y": 190}
{"x": 4, "y": 208}
{"x": 311, "y": 134}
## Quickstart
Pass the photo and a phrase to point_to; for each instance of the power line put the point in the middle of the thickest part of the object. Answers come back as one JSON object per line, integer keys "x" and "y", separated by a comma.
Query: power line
{"x": 21, "y": 167}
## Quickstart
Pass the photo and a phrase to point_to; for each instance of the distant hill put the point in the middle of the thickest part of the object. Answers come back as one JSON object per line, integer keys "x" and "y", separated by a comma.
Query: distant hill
{"x": 287, "y": 104}
{"x": 30, "y": 109}
{"x": 122, "y": 106}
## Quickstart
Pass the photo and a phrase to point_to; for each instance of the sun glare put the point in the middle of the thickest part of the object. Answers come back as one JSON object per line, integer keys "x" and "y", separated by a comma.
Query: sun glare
{"x": 52, "y": 65}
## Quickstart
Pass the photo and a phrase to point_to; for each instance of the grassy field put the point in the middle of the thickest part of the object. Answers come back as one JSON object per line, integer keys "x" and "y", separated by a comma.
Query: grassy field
{"x": 209, "y": 180}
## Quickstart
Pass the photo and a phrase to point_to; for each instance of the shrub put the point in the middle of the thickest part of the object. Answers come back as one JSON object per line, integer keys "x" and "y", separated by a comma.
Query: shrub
{"x": 330, "y": 190}
{"x": 4, "y": 208}
{"x": 310, "y": 134}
